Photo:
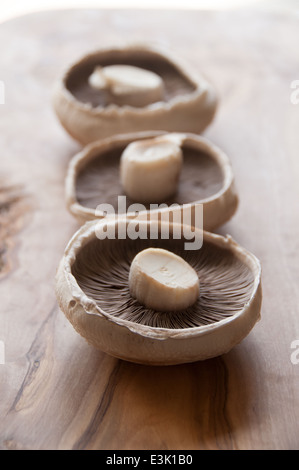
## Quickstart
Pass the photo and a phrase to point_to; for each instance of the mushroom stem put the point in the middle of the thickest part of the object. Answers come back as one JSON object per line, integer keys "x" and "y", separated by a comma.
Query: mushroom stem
{"x": 163, "y": 281}
{"x": 128, "y": 85}
{"x": 150, "y": 169}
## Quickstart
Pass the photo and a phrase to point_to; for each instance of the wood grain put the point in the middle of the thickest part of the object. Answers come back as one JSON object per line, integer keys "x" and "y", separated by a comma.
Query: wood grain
{"x": 57, "y": 392}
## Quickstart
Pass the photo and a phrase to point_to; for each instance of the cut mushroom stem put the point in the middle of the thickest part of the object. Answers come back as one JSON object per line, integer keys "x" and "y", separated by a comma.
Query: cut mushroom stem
{"x": 128, "y": 85}
{"x": 150, "y": 169}
{"x": 163, "y": 281}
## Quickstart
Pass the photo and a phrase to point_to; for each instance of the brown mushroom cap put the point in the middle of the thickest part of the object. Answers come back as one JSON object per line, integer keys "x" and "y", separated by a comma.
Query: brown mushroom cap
{"x": 93, "y": 292}
{"x": 189, "y": 102}
{"x": 206, "y": 178}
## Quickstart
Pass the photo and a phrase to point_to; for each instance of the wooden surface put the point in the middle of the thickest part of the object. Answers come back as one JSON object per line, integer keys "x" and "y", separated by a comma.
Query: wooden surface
{"x": 57, "y": 392}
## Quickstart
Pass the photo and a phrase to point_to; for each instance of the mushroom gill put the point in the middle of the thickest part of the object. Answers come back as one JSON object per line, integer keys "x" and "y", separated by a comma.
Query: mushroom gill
{"x": 102, "y": 272}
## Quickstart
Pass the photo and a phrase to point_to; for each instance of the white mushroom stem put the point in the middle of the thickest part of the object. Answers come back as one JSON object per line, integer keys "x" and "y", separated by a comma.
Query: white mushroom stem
{"x": 163, "y": 281}
{"x": 128, "y": 85}
{"x": 150, "y": 169}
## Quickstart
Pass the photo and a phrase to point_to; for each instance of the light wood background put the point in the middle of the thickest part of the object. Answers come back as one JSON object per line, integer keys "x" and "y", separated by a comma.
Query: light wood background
{"x": 57, "y": 392}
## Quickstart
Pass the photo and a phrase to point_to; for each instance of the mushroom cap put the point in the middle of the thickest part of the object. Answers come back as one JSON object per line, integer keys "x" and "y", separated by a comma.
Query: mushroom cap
{"x": 189, "y": 106}
{"x": 92, "y": 291}
{"x": 206, "y": 179}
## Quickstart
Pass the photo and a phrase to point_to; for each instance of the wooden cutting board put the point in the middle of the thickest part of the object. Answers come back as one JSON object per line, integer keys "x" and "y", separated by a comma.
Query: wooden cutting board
{"x": 57, "y": 392}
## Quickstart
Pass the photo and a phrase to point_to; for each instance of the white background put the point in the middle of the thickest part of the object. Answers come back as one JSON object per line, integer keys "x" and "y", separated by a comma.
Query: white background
{"x": 12, "y": 8}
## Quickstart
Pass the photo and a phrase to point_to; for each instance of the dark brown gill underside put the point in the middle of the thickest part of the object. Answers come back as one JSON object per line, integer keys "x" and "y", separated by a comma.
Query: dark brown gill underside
{"x": 102, "y": 269}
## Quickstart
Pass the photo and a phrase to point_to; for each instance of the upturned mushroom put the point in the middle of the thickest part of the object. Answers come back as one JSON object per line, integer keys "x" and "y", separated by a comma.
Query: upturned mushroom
{"x": 131, "y": 89}
{"x": 93, "y": 290}
{"x": 163, "y": 173}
